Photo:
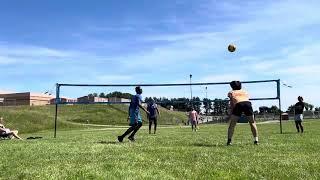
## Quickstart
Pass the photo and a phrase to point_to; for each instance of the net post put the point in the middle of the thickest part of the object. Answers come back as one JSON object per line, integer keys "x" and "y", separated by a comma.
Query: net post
{"x": 57, "y": 101}
{"x": 279, "y": 100}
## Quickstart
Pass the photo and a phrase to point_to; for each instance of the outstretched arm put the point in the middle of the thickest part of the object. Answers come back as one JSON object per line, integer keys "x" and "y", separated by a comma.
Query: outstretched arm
{"x": 158, "y": 111}
{"x": 231, "y": 104}
{"x": 143, "y": 108}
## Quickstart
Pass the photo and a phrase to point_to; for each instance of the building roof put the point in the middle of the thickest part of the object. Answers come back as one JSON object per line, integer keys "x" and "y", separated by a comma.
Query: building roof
{"x": 41, "y": 95}
{"x": 33, "y": 94}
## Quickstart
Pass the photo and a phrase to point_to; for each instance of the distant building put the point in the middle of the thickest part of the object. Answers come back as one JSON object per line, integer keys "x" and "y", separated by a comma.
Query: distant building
{"x": 24, "y": 98}
{"x": 63, "y": 100}
{"x": 91, "y": 99}
{"x": 117, "y": 99}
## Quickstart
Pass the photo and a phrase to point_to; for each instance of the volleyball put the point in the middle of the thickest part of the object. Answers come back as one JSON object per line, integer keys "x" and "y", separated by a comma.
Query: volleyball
{"x": 231, "y": 48}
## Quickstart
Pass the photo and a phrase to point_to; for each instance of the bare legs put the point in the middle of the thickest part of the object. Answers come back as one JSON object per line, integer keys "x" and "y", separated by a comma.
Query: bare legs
{"x": 299, "y": 126}
{"x": 14, "y": 133}
{"x": 233, "y": 122}
{"x": 194, "y": 125}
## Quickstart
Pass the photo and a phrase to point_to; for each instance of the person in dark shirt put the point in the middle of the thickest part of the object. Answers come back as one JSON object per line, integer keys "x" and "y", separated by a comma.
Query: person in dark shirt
{"x": 298, "y": 114}
{"x": 153, "y": 116}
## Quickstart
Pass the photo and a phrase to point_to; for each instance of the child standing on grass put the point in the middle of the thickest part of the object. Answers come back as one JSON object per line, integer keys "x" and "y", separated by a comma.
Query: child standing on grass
{"x": 298, "y": 114}
{"x": 193, "y": 117}
{"x": 134, "y": 115}
{"x": 239, "y": 103}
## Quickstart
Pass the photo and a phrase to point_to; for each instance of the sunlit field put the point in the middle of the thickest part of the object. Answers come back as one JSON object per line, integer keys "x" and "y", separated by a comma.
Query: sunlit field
{"x": 173, "y": 153}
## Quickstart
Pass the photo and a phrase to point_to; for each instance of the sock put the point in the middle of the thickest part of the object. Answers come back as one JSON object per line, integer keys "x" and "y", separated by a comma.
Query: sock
{"x": 256, "y": 139}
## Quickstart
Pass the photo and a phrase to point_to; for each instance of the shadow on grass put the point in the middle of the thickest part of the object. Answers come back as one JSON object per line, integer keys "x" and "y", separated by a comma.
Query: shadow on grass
{"x": 289, "y": 133}
{"x": 107, "y": 142}
{"x": 208, "y": 145}
{"x": 32, "y": 138}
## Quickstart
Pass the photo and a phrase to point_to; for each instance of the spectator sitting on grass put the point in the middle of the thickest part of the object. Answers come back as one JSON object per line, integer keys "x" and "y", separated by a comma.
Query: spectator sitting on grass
{"x": 6, "y": 132}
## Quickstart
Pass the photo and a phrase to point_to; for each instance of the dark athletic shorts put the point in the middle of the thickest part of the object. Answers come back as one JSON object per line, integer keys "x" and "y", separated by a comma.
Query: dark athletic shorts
{"x": 136, "y": 123}
{"x": 154, "y": 119}
{"x": 243, "y": 107}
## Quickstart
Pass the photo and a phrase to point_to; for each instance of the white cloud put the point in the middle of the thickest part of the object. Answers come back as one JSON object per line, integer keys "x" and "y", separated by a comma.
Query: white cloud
{"x": 306, "y": 70}
{"x": 264, "y": 66}
{"x": 114, "y": 78}
{"x": 32, "y": 51}
{"x": 110, "y": 28}
{"x": 248, "y": 58}
{"x": 6, "y": 60}
{"x": 181, "y": 37}
{"x": 224, "y": 78}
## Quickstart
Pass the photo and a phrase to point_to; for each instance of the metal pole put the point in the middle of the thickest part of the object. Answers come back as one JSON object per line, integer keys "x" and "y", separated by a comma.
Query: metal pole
{"x": 190, "y": 86}
{"x": 207, "y": 103}
{"x": 279, "y": 99}
{"x": 56, "y": 112}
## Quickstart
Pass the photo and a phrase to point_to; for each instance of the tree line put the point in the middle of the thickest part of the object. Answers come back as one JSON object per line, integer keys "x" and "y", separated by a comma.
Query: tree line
{"x": 211, "y": 106}
{"x": 307, "y": 106}
{"x": 112, "y": 94}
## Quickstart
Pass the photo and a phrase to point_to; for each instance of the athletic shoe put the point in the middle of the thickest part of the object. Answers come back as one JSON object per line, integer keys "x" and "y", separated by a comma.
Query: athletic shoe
{"x": 120, "y": 138}
{"x": 229, "y": 142}
{"x": 131, "y": 139}
{"x": 255, "y": 143}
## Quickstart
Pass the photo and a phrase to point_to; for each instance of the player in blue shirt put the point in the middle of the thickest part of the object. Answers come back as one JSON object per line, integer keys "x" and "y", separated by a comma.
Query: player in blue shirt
{"x": 134, "y": 115}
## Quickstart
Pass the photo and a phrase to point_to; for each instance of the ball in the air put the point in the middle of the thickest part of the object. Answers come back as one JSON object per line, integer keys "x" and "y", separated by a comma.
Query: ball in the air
{"x": 231, "y": 48}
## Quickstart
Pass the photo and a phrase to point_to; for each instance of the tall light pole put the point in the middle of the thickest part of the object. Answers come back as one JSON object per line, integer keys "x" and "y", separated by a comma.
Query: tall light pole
{"x": 191, "y": 90}
{"x": 207, "y": 103}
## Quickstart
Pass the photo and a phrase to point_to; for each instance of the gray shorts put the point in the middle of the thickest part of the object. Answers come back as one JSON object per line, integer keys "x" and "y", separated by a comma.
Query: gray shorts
{"x": 298, "y": 117}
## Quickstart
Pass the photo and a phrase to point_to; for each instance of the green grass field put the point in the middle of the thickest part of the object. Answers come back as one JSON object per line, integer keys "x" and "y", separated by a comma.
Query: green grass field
{"x": 37, "y": 118}
{"x": 173, "y": 153}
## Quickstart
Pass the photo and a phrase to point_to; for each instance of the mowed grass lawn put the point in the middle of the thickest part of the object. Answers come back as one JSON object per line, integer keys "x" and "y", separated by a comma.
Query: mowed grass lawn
{"x": 173, "y": 153}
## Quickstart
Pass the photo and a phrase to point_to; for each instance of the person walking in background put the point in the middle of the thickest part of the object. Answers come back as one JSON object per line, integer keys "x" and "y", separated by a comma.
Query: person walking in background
{"x": 298, "y": 114}
{"x": 153, "y": 116}
{"x": 193, "y": 117}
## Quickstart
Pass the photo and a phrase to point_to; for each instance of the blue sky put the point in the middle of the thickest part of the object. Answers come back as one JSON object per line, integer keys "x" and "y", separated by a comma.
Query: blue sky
{"x": 45, "y": 42}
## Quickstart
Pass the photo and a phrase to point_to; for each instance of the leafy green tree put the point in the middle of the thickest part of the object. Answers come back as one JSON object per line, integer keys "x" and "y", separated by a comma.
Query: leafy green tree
{"x": 220, "y": 106}
{"x": 119, "y": 95}
{"x": 207, "y": 105}
{"x": 102, "y": 95}
{"x": 307, "y": 106}
{"x": 274, "y": 109}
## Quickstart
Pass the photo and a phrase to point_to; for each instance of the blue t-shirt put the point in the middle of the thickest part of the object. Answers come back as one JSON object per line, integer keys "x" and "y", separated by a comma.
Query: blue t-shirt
{"x": 134, "y": 104}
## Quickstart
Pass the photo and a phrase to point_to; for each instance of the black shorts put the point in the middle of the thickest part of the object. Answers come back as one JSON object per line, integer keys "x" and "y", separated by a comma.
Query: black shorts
{"x": 154, "y": 119}
{"x": 243, "y": 107}
{"x": 136, "y": 124}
